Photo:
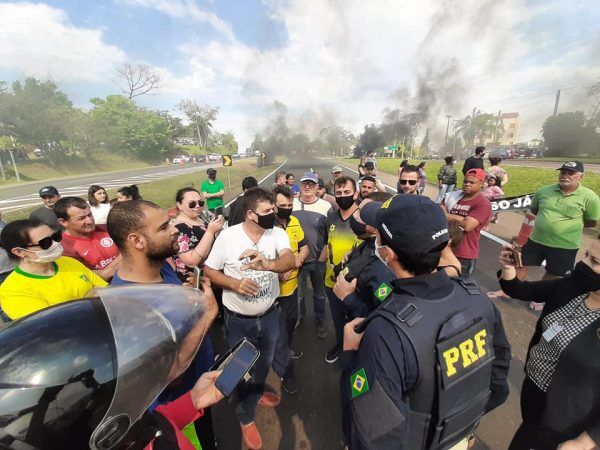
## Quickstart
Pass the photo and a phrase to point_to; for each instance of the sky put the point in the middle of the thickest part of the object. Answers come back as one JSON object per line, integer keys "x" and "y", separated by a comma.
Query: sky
{"x": 328, "y": 61}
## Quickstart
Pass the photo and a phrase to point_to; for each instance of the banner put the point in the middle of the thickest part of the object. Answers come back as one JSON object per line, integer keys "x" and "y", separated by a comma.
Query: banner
{"x": 512, "y": 203}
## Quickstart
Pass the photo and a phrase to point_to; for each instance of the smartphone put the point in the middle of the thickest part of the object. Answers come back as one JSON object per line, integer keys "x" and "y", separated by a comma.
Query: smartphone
{"x": 516, "y": 256}
{"x": 235, "y": 365}
{"x": 198, "y": 273}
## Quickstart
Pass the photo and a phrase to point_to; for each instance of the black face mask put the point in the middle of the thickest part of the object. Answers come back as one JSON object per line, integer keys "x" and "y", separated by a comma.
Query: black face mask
{"x": 586, "y": 277}
{"x": 284, "y": 213}
{"x": 267, "y": 221}
{"x": 212, "y": 176}
{"x": 345, "y": 202}
{"x": 358, "y": 228}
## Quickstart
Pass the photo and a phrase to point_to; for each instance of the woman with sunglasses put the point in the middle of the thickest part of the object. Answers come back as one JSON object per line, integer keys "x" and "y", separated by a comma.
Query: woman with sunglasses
{"x": 42, "y": 276}
{"x": 196, "y": 237}
{"x": 99, "y": 203}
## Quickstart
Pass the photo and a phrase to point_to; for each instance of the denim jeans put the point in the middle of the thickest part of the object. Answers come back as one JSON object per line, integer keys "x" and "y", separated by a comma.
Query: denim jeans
{"x": 316, "y": 271}
{"x": 445, "y": 189}
{"x": 262, "y": 332}
{"x": 338, "y": 315}
{"x": 288, "y": 315}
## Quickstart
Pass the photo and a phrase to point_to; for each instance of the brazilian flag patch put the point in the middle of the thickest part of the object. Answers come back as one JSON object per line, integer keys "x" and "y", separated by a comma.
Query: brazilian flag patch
{"x": 383, "y": 291}
{"x": 359, "y": 383}
{"x": 84, "y": 277}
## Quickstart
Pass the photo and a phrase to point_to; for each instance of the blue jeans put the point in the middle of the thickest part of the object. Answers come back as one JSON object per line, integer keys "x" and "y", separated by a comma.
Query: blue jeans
{"x": 445, "y": 189}
{"x": 316, "y": 271}
{"x": 338, "y": 315}
{"x": 262, "y": 332}
{"x": 288, "y": 315}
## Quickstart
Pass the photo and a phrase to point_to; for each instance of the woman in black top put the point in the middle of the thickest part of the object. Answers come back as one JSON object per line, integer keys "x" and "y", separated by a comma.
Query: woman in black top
{"x": 560, "y": 398}
{"x": 196, "y": 237}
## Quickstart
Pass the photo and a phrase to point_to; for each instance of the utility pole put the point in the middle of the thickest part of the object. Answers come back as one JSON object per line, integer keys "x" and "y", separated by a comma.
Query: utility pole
{"x": 496, "y": 127}
{"x": 556, "y": 102}
{"x": 12, "y": 157}
{"x": 447, "y": 127}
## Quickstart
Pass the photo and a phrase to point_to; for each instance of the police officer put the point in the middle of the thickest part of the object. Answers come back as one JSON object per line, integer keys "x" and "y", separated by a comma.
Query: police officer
{"x": 433, "y": 357}
{"x": 364, "y": 276}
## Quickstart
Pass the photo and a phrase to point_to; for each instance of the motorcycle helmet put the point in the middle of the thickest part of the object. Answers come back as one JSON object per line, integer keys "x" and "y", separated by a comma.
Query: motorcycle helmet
{"x": 80, "y": 374}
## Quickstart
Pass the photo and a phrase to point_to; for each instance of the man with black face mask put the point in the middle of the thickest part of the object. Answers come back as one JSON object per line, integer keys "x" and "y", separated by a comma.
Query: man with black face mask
{"x": 245, "y": 262}
{"x": 363, "y": 275}
{"x": 340, "y": 240}
{"x": 288, "y": 289}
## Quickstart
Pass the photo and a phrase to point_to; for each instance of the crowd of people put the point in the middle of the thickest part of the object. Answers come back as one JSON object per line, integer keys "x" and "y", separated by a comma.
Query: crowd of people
{"x": 421, "y": 350}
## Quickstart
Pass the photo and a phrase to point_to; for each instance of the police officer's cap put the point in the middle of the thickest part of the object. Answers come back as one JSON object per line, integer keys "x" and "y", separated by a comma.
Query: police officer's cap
{"x": 368, "y": 213}
{"x": 412, "y": 224}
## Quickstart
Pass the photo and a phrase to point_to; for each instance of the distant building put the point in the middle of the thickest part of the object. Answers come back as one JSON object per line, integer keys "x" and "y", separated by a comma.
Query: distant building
{"x": 511, "y": 123}
{"x": 185, "y": 141}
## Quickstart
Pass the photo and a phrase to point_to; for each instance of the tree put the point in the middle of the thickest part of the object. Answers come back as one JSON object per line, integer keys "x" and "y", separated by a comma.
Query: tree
{"x": 125, "y": 127}
{"x": 138, "y": 80}
{"x": 594, "y": 116}
{"x": 564, "y": 133}
{"x": 37, "y": 113}
{"x": 224, "y": 143}
{"x": 3, "y": 86}
{"x": 201, "y": 117}
{"x": 336, "y": 140}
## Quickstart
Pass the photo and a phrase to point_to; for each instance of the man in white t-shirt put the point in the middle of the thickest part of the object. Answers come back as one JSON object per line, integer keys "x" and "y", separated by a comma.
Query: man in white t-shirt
{"x": 245, "y": 261}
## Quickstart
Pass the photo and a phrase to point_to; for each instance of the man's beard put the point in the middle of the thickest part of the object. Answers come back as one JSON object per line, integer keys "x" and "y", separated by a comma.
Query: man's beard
{"x": 160, "y": 253}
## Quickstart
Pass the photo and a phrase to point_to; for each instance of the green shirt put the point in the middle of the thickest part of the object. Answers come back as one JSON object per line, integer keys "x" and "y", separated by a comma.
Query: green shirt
{"x": 559, "y": 221}
{"x": 211, "y": 188}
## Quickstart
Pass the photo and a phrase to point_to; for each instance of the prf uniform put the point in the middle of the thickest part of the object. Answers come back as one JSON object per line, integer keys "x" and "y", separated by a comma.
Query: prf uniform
{"x": 433, "y": 359}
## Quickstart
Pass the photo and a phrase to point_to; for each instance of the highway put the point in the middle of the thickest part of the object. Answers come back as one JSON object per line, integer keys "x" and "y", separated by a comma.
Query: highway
{"x": 19, "y": 196}
{"x": 310, "y": 419}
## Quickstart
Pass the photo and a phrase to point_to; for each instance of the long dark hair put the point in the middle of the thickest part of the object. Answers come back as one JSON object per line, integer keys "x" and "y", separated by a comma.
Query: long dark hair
{"x": 92, "y": 190}
{"x": 131, "y": 191}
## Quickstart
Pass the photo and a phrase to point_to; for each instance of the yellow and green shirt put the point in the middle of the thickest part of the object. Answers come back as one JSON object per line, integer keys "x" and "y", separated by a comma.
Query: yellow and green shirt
{"x": 24, "y": 293}
{"x": 340, "y": 240}
{"x": 296, "y": 235}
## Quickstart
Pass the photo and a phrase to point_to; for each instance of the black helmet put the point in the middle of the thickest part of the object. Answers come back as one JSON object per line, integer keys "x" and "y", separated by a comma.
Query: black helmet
{"x": 80, "y": 374}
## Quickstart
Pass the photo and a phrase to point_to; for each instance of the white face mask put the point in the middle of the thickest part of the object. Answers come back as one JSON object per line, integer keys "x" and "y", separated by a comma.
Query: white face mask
{"x": 377, "y": 247}
{"x": 49, "y": 255}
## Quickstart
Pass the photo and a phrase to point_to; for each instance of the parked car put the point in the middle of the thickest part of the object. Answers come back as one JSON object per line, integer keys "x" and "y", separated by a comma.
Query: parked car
{"x": 178, "y": 160}
{"x": 214, "y": 157}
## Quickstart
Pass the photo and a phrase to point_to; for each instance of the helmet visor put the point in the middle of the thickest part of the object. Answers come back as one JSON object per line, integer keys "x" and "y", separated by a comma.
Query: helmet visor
{"x": 157, "y": 331}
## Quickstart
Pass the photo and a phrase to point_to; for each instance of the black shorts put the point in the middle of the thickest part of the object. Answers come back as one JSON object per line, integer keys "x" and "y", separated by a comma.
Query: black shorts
{"x": 559, "y": 261}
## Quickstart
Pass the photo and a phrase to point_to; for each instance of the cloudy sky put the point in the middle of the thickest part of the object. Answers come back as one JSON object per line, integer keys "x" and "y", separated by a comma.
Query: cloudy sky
{"x": 327, "y": 61}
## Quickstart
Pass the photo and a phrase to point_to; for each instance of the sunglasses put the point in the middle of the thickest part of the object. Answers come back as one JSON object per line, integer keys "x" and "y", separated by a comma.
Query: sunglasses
{"x": 194, "y": 203}
{"x": 46, "y": 243}
{"x": 411, "y": 182}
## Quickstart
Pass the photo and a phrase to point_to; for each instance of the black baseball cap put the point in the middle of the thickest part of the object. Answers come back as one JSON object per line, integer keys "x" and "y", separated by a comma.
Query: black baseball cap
{"x": 575, "y": 166}
{"x": 412, "y": 224}
{"x": 48, "y": 191}
{"x": 368, "y": 213}
{"x": 321, "y": 182}
{"x": 211, "y": 170}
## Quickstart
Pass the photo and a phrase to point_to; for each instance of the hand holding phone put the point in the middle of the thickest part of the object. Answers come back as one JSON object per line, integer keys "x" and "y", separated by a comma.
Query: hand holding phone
{"x": 198, "y": 274}
{"x": 235, "y": 365}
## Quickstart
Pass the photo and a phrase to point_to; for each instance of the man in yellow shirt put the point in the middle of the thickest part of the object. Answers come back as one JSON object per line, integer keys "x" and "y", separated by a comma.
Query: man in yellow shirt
{"x": 288, "y": 289}
{"x": 42, "y": 277}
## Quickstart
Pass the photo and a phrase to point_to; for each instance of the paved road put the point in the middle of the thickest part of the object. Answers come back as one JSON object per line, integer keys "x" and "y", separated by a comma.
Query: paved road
{"x": 311, "y": 418}
{"x": 595, "y": 168}
{"x": 22, "y": 196}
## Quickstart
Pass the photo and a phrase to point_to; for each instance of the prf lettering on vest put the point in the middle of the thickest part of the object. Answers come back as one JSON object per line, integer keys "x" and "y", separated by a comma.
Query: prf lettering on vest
{"x": 466, "y": 353}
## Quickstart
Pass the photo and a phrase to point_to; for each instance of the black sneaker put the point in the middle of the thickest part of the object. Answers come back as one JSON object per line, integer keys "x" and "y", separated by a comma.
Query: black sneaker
{"x": 289, "y": 385}
{"x": 321, "y": 329}
{"x": 296, "y": 354}
{"x": 333, "y": 354}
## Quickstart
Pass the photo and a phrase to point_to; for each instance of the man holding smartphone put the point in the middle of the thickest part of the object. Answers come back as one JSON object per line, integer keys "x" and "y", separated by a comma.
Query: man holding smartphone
{"x": 245, "y": 262}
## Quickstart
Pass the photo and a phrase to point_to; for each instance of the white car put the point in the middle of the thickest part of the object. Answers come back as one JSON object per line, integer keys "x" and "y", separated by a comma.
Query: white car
{"x": 214, "y": 158}
{"x": 178, "y": 160}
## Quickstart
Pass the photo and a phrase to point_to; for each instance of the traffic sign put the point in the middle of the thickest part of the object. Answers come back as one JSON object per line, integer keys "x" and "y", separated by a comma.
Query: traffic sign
{"x": 227, "y": 160}
{"x": 263, "y": 155}
{"x": 392, "y": 147}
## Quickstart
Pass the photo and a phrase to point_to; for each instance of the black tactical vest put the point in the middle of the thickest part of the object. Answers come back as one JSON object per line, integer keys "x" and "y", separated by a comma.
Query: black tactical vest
{"x": 452, "y": 338}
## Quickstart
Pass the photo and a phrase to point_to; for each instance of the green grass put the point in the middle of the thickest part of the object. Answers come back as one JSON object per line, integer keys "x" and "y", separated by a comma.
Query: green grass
{"x": 522, "y": 180}
{"x": 584, "y": 159}
{"x": 162, "y": 192}
{"x": 40, "y": 169}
